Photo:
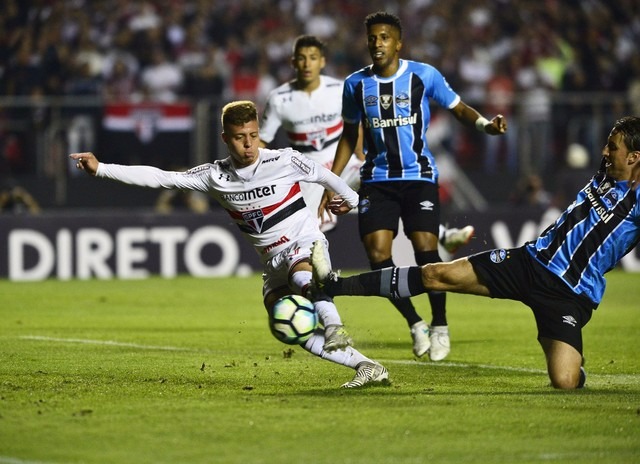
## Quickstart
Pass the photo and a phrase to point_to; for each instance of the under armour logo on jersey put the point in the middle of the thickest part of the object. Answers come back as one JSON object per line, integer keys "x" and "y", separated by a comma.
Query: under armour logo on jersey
{"x": 426, "y": 205}
{"x": 569, "y": 320}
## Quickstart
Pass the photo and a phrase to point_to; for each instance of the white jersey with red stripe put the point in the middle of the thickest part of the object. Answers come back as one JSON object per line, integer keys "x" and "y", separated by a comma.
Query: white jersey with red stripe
{"x": 312, "y": 121}
{"x": 264, "y": 200}
{"x": 313, "y": 124}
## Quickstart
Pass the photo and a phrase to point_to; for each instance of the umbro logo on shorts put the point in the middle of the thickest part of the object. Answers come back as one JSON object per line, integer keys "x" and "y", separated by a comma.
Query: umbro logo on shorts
{"x": 569, "y": 320}
{"x": 426, "y": 205}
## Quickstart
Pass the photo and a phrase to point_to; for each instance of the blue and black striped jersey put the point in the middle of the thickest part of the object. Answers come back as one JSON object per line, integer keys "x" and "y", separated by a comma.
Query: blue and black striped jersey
{"x": 395, "y": 115}
{"x": 591, "y": 236}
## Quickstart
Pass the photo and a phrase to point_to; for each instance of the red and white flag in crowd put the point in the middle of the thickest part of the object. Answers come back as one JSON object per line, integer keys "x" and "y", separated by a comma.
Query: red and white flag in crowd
{"x": 147, "y": 119}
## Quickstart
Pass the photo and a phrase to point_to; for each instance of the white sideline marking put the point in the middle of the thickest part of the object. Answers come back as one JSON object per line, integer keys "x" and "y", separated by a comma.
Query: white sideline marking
{"x": 9, "y": 460}
{"x": 625, "y": 378}
{"x": 105, "y": 342}
{"x": 466, "y": 365}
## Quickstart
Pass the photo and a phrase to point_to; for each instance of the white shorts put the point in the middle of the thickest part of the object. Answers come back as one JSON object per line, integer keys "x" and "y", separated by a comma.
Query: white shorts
{"x": 277, "y": 270}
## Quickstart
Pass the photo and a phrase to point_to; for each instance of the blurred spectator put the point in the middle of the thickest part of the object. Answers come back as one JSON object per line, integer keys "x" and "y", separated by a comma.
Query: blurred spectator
{"x": 605, "y": 33}
{"x": 266, "y": 83}
{"x": 573, "y": 176}
{"x": 530, "y": 191}
{"x": 169, "y": 201}
{"x": 83, "y": 83}
{"x": 191, "y": 52}
{"x": 210, "y": 79}
{"x": 121, "y": 84}
{"x": 14, "y": 199}
{"x": 215, "y": 50}
{"x": 80, "y": 129}
{"x": 180, "y": 200}
{"x": 24, "y": 73}
{"x": 321, "y": 23}
{"x": 55, "y": 60}
{"x": 633, "y": 92}
{"x": 244, "y": 80}
{"x": 119, "y": 54}
{"x": 11, "y": 153}
{"x": 204, "y": 64}
{"x": 162, "y": 80}
{"x": 500, "y": 95}
{"x": 145, "y": 17}
{"x": 536, "y": 119}
{"x": 89, "y": 54}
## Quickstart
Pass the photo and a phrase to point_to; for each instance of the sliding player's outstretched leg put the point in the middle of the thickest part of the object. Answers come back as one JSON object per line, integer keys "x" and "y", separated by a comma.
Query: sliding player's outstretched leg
{"x": 391, "y": 282}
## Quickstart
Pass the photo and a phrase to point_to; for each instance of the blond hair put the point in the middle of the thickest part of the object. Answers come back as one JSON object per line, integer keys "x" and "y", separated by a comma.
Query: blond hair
{"x": 238, "y": 113}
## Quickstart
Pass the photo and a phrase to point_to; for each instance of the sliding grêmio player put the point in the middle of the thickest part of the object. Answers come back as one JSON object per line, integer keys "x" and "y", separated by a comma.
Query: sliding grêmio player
{"x": 560, "y": 275}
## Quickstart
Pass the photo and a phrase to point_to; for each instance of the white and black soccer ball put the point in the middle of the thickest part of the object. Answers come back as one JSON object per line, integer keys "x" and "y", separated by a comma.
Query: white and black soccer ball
{"x": 293, "y": 319}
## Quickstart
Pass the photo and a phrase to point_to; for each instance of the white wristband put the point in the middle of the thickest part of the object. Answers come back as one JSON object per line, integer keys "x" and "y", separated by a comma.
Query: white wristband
{"x": 482, "y": 123}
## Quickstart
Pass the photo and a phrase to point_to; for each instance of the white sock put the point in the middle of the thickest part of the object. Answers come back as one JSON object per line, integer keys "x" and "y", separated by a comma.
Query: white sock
{"x": 300, "y": 282}
{"x": 327, "y": 310}
{"x": 349, "y": 357}
{"x": 328, "y": 313}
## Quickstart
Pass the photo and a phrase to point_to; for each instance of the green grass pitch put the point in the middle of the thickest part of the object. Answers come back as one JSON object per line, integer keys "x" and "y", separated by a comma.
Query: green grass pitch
{"x": 186, "y": 371}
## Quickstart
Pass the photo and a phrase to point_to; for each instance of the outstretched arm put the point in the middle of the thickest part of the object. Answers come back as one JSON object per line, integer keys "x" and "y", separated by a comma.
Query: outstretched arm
{"x": 142, "y": 176}
{"x": 470, "y": 117}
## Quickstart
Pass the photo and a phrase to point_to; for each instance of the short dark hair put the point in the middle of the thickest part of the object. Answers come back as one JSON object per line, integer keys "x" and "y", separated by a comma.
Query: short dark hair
{"x": 308, "y": 41}
{"x": 629, "y": 127}
{"x": 382, "y": 17}
{"x": 238, "y": 113}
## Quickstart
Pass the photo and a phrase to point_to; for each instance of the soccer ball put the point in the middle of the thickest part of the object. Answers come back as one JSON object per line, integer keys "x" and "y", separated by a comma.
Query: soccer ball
{"x": 293, "y": 319}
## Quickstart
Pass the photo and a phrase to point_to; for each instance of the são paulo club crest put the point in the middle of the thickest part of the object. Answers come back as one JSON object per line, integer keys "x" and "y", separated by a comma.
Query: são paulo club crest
{"x": 317, "y": 138}
{"x": 254, "y": 219}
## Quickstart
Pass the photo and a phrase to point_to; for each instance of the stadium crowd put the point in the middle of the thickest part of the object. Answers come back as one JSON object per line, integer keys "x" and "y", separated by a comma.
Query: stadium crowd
{"x": 166, "y": 50}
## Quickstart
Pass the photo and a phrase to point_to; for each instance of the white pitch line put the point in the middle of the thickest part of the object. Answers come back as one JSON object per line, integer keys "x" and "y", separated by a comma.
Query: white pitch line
{"x": 618, "y": 378}
{"x": 627, "y": 378}
{"x": 465, "y": 365}
{"x": 106, "y": 342}
{"x": 10, "y": 460}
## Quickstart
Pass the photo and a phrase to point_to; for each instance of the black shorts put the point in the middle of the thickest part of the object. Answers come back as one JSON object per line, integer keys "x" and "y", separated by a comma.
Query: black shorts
{"x": 514, "y": 274}
{"x": 382, "y": 204}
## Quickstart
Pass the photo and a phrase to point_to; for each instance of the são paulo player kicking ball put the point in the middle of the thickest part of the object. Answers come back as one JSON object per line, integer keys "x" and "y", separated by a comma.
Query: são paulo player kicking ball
{"x": 260, "y": 190}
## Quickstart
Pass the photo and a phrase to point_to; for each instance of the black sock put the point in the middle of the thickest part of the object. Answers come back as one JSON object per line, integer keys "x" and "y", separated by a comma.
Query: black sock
{"x": 389, "y": 277}
{"x": 393, "y": 283}
{"x": 365, "y": 284}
